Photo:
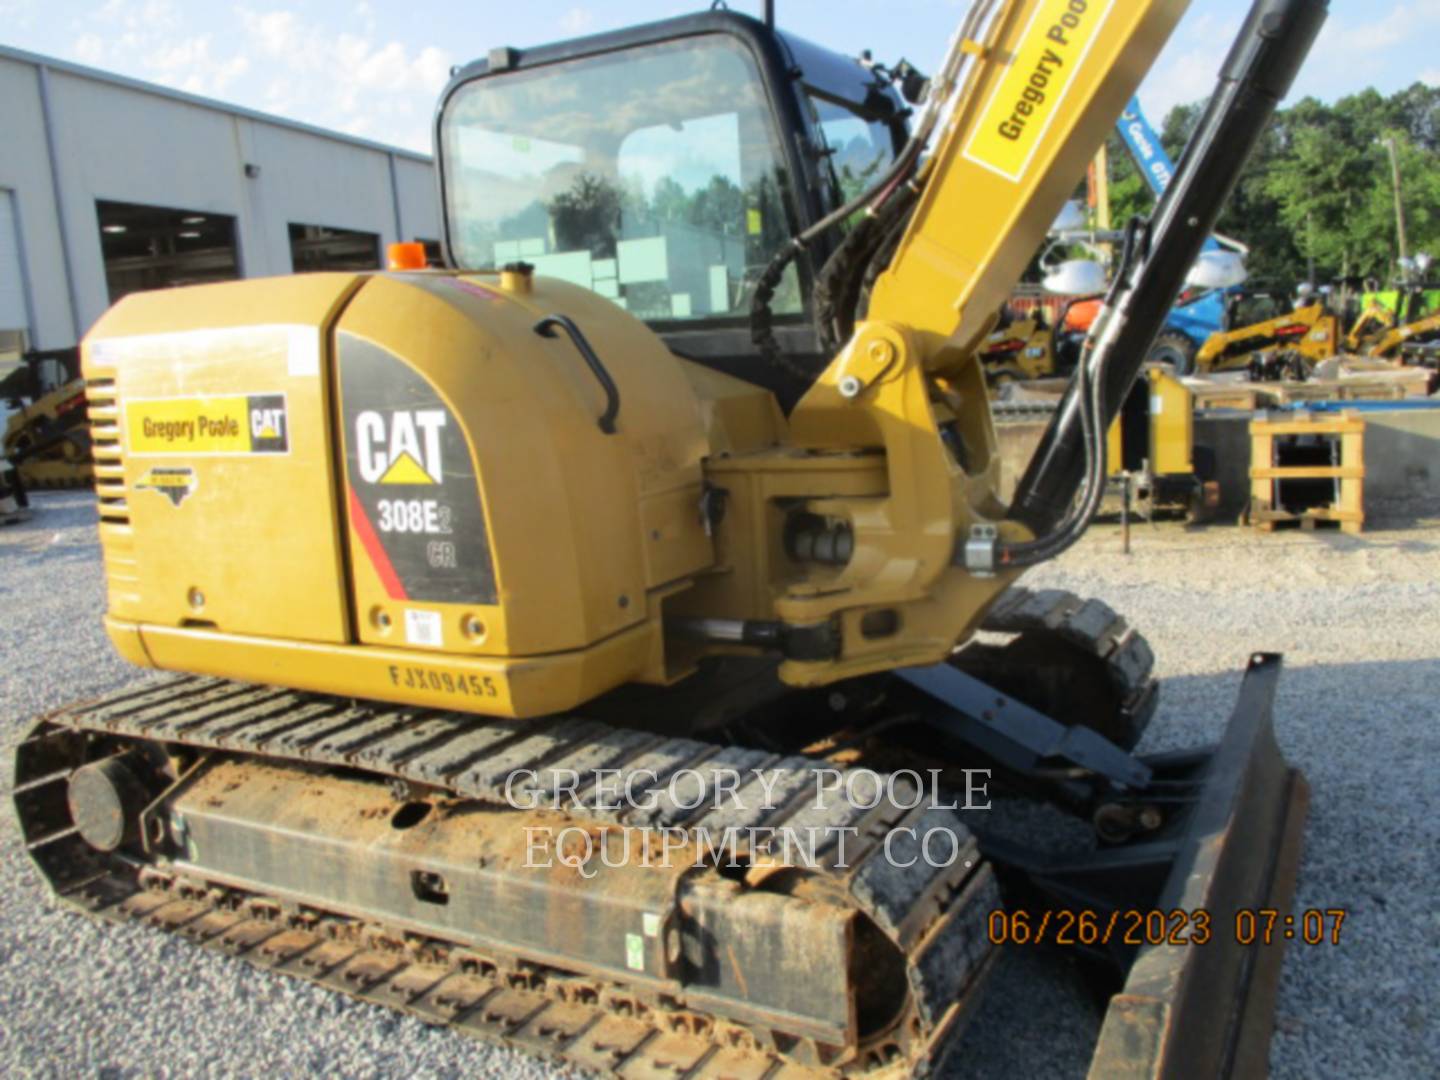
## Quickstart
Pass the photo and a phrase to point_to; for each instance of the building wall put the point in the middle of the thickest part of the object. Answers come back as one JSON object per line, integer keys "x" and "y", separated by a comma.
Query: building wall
{"x": 117, "y": 139}
{"x": 25, "y": 171}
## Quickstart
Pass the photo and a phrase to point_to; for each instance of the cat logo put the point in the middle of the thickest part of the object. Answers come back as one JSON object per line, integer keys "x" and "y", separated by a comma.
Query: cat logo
{"x": 402, "y": 447}
{"x": 267, "y": 424}
{"x": 176, "y": 482}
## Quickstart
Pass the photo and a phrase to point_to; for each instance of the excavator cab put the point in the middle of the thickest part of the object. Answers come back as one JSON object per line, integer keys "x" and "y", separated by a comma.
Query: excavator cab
{"x": 664, "y": 166}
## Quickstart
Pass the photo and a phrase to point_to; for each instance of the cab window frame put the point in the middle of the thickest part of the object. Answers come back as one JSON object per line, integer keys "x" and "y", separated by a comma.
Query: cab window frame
{"x": 783, "y": 105}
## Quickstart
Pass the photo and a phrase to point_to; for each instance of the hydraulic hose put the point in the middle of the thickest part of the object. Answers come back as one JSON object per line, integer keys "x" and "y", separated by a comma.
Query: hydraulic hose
{"x": 943, "y": 87}
{"x": 1090, "y": 376}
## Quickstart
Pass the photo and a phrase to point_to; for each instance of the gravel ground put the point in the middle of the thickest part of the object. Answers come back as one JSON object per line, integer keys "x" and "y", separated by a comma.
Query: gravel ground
{"x": 1357, "y": 618}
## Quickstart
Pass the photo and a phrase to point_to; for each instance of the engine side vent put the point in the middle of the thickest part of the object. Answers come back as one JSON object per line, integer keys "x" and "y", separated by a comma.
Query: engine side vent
{"x": 112, "y": 493}
{"x": 104, "y": 412}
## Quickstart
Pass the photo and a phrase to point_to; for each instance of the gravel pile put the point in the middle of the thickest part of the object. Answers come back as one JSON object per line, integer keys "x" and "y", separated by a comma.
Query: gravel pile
{"x": 1357, "y": 617}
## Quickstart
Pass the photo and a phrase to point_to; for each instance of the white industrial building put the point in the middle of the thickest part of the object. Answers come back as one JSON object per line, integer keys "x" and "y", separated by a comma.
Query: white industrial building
{"x": 108, "y": 185}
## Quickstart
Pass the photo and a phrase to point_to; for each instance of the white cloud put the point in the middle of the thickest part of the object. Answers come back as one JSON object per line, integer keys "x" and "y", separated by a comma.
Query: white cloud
{"x": 1379, "y": 43}
{"x": 1365, "y": 40}
{"x": 277, "y": 59}
{"x": 188, "y": 64}
{"x": 276, "y": 31}
{"x": 148, "y": 18}
{"x": 148, "y": 40}
{"x": 1378, "y": 35}
{"x": 1188, "y": 77}
{"x": 1186, "y": 70}
{"x": 1368, "y": 48}
{"x": 352, "y": 81}
{"x": 18, "y": 13}
{"x": 89, "y": 48}
{"x": 577, "y": 20}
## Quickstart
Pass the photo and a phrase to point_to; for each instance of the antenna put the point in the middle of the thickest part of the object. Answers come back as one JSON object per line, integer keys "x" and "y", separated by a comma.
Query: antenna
{"x": 770, "y": 14}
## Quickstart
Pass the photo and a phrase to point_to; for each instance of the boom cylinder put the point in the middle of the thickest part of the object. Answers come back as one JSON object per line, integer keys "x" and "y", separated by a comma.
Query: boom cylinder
{"x": 1256, "y": 75}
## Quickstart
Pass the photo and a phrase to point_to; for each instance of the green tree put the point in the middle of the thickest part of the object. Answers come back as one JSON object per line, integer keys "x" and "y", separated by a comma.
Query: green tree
{"x": 669, "y": 203}
{"x": 718, "y": 207}
{"x": 1318, "y": 186}
{"x": 586, "y": 216}
{"x": 1129, "y": 194}
{"x": 1318, "y": 180}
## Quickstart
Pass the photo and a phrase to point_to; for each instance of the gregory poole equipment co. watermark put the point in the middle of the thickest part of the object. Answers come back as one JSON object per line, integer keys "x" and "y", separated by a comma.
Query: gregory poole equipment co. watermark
{"x": 811, "y": 834}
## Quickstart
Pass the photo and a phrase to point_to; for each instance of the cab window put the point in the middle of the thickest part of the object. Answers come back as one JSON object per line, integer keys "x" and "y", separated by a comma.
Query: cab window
{"x": 857, "y": 147}
{"x": 651, "y": 177}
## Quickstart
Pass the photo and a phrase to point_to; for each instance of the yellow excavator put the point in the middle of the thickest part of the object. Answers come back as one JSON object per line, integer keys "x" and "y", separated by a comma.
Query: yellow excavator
{"x": 558, "y": 658}
{"x": 1386, "y": 321}
{"x": 1408, "y": 334}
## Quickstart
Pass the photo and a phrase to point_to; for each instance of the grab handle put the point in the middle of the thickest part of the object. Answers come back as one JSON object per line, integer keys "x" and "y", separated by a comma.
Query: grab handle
{"x": 546, "y": 329}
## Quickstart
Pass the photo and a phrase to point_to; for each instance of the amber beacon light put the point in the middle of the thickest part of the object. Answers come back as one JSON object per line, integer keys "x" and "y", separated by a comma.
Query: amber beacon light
{"x": 405, "y": 255}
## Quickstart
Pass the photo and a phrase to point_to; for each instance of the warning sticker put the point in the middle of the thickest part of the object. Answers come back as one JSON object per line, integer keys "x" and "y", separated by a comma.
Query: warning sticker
{"x": 424, "y": 628}
{"x": 1051, "y": 51}
{"x": 176, "y": 482}
{"x": 251, "y": 424}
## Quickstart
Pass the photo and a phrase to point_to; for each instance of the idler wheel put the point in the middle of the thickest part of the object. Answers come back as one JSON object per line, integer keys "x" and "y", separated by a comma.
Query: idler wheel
{"x": 106, "y": 799}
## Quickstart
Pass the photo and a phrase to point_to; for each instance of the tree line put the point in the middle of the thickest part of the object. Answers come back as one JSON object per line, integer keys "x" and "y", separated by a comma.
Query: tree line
{"x": 1318, "y": 190}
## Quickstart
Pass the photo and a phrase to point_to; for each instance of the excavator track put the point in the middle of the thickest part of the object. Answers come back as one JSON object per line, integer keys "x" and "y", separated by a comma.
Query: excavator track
{"x": 1096, "y": 630}
{"x": 231, "y": 735}
{"x": 937, "y": 915}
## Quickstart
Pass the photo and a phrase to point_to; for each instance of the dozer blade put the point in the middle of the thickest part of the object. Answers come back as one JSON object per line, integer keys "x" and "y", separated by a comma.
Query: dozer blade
{"x": 1205, "y": 1010}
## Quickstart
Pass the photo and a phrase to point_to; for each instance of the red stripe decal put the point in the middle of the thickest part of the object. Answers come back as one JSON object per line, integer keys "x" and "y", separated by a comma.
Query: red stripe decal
{"x": 394, "y": 588}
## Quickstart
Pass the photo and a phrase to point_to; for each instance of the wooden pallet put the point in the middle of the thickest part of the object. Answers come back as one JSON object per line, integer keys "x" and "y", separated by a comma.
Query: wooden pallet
{"x": 1390, "y": 384}
{"x": 1246, "y": 397}
{"x": 1348, "y": 510}
{"x": 1354, "y": 389}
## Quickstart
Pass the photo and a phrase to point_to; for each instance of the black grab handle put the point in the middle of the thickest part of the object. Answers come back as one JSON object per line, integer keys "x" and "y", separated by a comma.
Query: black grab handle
{"x": 546, "y": 328}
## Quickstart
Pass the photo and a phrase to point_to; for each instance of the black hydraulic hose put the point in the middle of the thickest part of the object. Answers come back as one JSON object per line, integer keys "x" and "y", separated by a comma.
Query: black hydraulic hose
{"x": 841, "y": 284}
{"x": 1256, "y": 75}
{"x": 1090, "y": 377}
{"x": 762, "y": 332}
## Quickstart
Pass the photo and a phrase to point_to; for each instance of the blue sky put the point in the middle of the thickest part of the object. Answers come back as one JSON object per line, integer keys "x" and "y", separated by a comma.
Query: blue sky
{"x": 374, "y": 67}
